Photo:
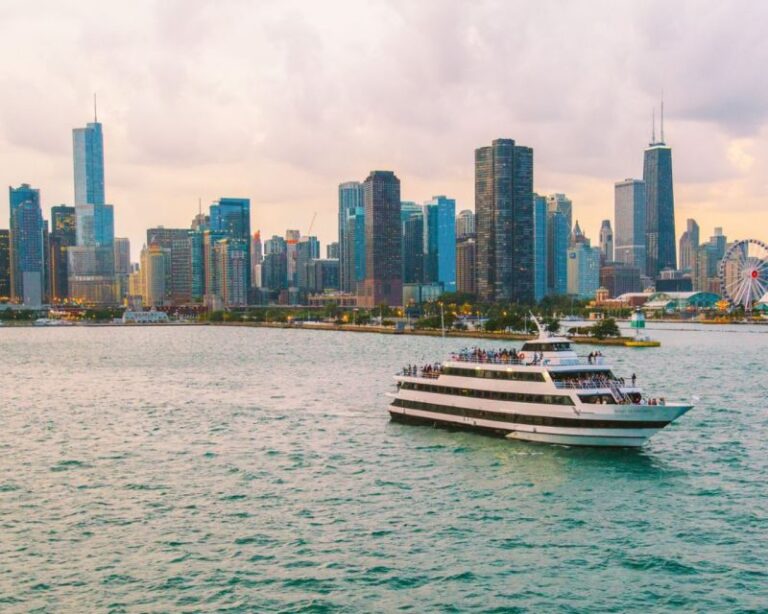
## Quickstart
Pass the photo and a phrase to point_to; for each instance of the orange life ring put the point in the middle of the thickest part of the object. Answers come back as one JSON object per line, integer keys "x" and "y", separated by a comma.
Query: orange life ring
{"x": 521, "y": 356}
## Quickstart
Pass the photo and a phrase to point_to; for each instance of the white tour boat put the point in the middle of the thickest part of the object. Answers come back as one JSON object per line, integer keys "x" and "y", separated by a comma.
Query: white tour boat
{"x": 544, "y": 393}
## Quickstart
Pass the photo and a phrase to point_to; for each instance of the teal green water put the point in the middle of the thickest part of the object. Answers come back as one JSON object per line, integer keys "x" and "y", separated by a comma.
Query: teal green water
{"x": 201, "y": 468}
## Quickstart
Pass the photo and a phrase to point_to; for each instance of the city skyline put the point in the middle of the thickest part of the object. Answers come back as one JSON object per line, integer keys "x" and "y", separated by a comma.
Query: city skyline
{"x": 166, "y": 148}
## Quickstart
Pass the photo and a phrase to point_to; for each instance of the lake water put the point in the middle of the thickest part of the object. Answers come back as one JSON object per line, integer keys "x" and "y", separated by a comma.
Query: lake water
{"x": 243, "y": 469}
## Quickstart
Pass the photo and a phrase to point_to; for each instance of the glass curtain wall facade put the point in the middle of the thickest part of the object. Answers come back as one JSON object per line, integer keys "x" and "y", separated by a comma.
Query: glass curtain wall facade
{"x": 27, "y": 250}
{"x": 629, "y": 223}
{"x": 660, "y": 210}
{"x": 350, "y": 204}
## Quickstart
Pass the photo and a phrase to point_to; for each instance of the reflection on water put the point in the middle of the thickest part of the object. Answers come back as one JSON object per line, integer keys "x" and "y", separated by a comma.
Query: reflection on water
{"x": 206, "y": 468}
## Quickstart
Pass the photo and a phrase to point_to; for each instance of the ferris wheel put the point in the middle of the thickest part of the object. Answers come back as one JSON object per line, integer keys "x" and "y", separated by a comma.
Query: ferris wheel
{"x": 744, "y": 273}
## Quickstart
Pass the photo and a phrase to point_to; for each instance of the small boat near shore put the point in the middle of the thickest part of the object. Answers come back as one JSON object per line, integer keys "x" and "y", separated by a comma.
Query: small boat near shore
{"x": 545, "y": 393}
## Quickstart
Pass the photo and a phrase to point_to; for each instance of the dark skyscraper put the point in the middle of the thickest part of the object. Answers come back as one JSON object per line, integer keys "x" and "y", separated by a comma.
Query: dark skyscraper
{"x": 178, "y": 242}
{"x": 383, "y": 240}
{"x": 504, "y": 222}
{"x": 63, "y": 235}
{"x": 659, "y": 207}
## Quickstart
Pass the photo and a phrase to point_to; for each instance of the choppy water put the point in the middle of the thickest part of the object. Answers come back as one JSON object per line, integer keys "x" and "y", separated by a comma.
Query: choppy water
{"x": 202, "y": 468}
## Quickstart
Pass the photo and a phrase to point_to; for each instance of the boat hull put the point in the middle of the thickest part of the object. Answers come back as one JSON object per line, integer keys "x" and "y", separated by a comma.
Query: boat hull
{"x": 581, "y": 436}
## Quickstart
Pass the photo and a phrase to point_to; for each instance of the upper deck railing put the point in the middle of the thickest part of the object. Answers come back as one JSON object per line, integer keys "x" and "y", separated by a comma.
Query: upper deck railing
{"x": 527, "y": 361}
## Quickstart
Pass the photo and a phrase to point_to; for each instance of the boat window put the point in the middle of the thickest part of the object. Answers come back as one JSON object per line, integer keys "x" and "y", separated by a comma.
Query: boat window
{"x": 492, "y": 374}
{"x": 494, "y": 395}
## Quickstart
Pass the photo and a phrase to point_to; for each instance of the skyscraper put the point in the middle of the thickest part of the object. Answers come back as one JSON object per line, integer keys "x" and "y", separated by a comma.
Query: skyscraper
{"x": 383, "y": 240}
{"x": 689, "y": 245}
{"x": 63, "y": 235}
{"x": 563, "y": 204}
{"x": 91, "y": 265}
{"x": 353, "y": 252}
{"x": 583, "y": 270}
{"x": 179, "y": 245}
{"x": 155, "y": 274}
{"x": 413, "y": 249}
{"x": 466, "y": 270}
{"x": 232, "y": 264}
{"x": 539, "y": 247}
{"x": 504, "y": 222}
{"x": 629, "y": 220}
{"x": 257, "y": 255}
{"x": 232, "y": 218}
{"x": 5, "y": 264}
{"x": 659, "y": 206}
{"x": 122, "y": 252}
{"x": 557, "y": 254}
{"x": 440, "y": 242}
{"x": 27, "y": 251}
{"x": 465, "y": 223}
{"x": 606, "y": 242}
{"x": 350, "y": 204}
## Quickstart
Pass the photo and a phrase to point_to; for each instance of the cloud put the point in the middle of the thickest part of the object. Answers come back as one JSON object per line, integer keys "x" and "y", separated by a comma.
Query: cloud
{"x": 281, "y": 101}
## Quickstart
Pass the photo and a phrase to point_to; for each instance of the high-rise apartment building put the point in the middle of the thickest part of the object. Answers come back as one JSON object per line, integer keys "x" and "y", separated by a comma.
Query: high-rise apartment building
{"x": 629, "y": 221}
{"x": 27, "y": 246}
{"x": 504, "y": 222}
{"x": 352, "y": 252}
{"x": 689, "y": 245}
{"x": 5, "y": 264}
{"x": 122, "y": 252}
{"x": 63, "y": 235}
{"x": 659, "y": 207}
{"x": 383, "y": 241}
{"x": 440, "y": 242}
{"x": 257, "y": 256}
{"x": 232, "y": 218}
{"x": 350, "y": 204}
{"x": 332, "y": 251}
{"x": 274, "y": 271}
{"x": 606, "y": 242}
{"x": 232, "y": 261}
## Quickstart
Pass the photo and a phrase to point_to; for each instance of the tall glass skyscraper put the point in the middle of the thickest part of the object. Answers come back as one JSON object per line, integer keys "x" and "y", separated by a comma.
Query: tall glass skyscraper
{"x": 350, "y": 204}
{"x": 629, "y": 223}
{"x": 232, "y": 217}
{"x": 540, "y": 247}
{"x": 557, "y": 253}
{"x": 440, "y": 242}
{"x": 5, "y": 264}
{"x": 383, "y": 240}
{"x": 91, "y": 263}
{"x": 63, "y": 236}
{"x": 27, "y": 251}
{"x": 504, "y": 222}
{"x": 660, "y": 209}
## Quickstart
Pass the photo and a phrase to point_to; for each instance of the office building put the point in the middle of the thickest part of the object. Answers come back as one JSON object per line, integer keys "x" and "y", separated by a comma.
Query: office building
{"x": 27, "y": 246}
{"x": 332, "y": 251}
{"x": 583, "y": 270}
{"x": 179, "y": 244}
{"x": 504, "y": 222}
{"x": 629, "y": 220}
{"x": 350, "y": 205}
{"x": 232, "y": 261}
{"x": 562, "y": 204}
{"x": 257, "y": 256}
{"x": 660, "y": 235}
{"x": 5, "y": 264}
{"x": 274, "y": 267}
{"x": 557, "y": 254}
{"x": 606, "y": 242}
{"x": 63, "y": 235}
{"x": 465, "y": 223}
{"x": 440, "y": 242}
{"x": 383, "y": 240}
{"x": 539, "y": 247}
{"x": 689, "y": 245}
{"x": 231, "y": 217}
{"x": 413, "y": 249}
{"x": 352, "y": 261}
{"x": 322, "y": 275}
{"x": 619, "y": 278}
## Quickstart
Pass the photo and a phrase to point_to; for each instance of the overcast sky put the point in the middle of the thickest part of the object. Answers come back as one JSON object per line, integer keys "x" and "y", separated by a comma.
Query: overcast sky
{"x": 281, "y": 101}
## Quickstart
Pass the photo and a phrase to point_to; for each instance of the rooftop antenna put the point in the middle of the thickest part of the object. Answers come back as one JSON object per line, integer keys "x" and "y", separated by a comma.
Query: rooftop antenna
{"x": 662, "y": 116}
{"x": 653, "y": 126}
{"x": 95, "y": 116}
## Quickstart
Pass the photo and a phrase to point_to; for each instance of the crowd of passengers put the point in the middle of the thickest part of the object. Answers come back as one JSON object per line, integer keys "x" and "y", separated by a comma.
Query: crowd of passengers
{"x": 427, "y": 370}
{"x": 497, "y": 357}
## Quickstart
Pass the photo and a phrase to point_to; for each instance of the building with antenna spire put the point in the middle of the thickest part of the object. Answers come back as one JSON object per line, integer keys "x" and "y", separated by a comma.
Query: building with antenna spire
{"x": 659, "y": 204}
